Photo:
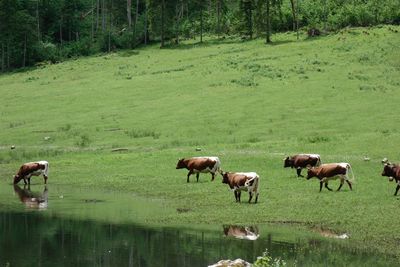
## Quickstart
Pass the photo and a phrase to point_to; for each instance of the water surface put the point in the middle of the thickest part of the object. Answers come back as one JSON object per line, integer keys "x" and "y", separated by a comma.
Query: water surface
{"x": 81, "y": 227}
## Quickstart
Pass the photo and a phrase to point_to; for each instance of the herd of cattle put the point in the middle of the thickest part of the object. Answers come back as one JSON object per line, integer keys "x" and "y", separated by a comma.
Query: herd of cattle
{"x": 244, "y": 181}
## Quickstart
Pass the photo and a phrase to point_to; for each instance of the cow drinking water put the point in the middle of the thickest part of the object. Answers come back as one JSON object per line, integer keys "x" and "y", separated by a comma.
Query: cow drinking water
{"x": 301, "y": 161}
{"x": 199, "y": 165}
{"x": 32, "y": 169}
{"x": 331, "y": 171}
{"x": 242, "y": 181}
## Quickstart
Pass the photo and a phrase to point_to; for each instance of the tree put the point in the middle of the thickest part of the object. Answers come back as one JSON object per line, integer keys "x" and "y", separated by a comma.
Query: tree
{"x": 246, "y": 7}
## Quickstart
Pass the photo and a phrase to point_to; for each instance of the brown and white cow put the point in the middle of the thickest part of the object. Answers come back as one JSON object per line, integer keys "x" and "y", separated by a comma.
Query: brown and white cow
{"x": 301, "y": 161}
{"x": 199, "y": 165}
{"x": 331, "y": 171}
{"x": 32, "y": 169}
{"x": 393, "y": 172}
{"x": 242, "y": 232}
{"x": 242, "y": 181}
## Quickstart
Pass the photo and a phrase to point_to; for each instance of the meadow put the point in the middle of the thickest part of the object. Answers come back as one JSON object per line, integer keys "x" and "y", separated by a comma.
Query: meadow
{"x": 120, "y": 122}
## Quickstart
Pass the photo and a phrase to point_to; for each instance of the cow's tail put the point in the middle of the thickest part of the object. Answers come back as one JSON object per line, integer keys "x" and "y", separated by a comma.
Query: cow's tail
{"x": 352, "y": 173}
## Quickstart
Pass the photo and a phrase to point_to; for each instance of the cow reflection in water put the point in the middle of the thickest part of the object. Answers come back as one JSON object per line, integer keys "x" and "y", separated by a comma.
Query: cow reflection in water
{"x": 30, "y": 199}
{"x": 242, "y": 232}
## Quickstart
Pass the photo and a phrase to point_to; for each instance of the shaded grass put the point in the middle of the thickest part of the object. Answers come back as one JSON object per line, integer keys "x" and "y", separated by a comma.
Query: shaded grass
{"x": 248, "y": 103}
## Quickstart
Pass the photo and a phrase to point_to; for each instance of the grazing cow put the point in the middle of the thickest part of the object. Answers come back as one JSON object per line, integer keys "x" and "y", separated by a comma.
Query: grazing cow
{"x": 301, "y": 161}
{"x": 393, "y": 172}
{"x": 32, "y": 169}
{"x": 30, "y": 199}
{"x": 199, "y": 165}
{"x": 242, "y": 181}
{"x": 331, "y": 171}
{"x": 242, "y": 232}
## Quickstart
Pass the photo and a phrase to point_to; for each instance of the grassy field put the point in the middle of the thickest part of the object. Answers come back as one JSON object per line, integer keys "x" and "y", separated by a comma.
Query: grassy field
{"x": 248, "y": 103}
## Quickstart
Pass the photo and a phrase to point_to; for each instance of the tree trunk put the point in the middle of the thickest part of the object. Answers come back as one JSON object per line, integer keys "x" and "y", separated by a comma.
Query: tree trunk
{"x": 201, "y": 25}
{"x": 129, "y": 13}
{"x": 297, "y": 19}
{"x": 8, "y": 54}
{"x": 37, "y": 18}
{"x": 145, "y": 26}
{"x": 2, "y": 57}
{"x": 268, "y": 39}
{"x": 293, "y": 14}
{"x": 97, "y": 14}
{"x": 61, "y": 36}
{"x": 109, "y": 27}
{"x": 92, "y": 32}
{"x": 136, "y": 21}
{"x": 103, "y": 16}
{"x": 218, "y": 17}
{"x": 24, "y": 58}
{"x": 162, "y": 22}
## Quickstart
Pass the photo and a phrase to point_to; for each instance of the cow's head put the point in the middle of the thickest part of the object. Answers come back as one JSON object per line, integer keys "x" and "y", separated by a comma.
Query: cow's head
{"x": 288, "y": 162}
{"x": 181, "y": 164}
{"x": 388, "y": 171}
{"x": 310, "y": 172}
{"x": 17, "y": 178}
{"x": 224, "y": 175}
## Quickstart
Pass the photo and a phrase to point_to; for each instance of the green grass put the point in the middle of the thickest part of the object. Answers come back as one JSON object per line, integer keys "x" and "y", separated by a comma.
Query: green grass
{"x": 249, "y": 103}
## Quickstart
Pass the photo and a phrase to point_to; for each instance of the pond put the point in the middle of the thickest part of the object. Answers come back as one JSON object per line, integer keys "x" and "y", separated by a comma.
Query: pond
{"x": 64, "y": 226}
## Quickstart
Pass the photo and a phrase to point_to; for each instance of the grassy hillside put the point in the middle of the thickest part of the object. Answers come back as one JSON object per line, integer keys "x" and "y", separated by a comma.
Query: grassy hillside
{"x": 248, "y": 103}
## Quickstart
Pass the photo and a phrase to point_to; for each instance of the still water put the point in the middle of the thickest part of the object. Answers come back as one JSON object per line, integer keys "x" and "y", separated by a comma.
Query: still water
{"x": 62, "y": 226}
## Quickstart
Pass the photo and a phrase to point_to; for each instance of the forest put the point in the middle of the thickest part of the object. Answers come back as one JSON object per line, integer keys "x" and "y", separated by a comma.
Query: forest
{"x": 36, "y": 31}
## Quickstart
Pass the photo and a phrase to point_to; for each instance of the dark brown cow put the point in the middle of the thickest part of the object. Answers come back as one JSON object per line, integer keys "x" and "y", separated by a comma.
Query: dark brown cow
{"x": 242, "y": 232}
{"x": 238, "y": 181}
{"x": 30, "y": 199}
{"x": 393, "y": 172}
{"x": 301, "y": 161}
{"x": 331, "y": 171}
{"x": 200, "y": 165}
{"x": 32, "y": 169}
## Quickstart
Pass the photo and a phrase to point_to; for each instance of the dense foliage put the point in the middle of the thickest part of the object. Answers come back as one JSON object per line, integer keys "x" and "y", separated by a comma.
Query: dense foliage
{"x": 44, "y": 30}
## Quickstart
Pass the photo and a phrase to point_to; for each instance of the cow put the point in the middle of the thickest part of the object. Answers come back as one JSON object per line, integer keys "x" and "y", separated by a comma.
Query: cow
{"x": 331, "y": 171}
{"x": 199, "y": 165}
{"x": 242, "y": 232}
{"x": 30, "y": 199}
{"x": 393, "y": 172}
{"x": 301, "y": 161}
{"x": 242, "y": 181}
{"x": 32, "y": 169}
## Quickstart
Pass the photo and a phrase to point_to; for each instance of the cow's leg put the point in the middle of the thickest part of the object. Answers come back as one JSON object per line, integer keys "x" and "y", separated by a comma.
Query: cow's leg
{"x": 320, "y": 186}
{"x": 349, "y": 183}
{"x": 341, "y": 183}
{"x": 45, "y": 179}
{"x": 236, "y": 195}
{"x": 212, "y": 176}
{"x": 239, "y": 193}
{"x": 327, "y": 187}
{"x": 25, "y": 181}
{"x": 250, "y": 196}
{"x": 298, "y": 170}
{"x": 197, "y": 176}
{"x": 340, "y": 186}
{"x": 256, "y": 198}
{"x": 190, "y": 173}
{"x": 397, "y": 189}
